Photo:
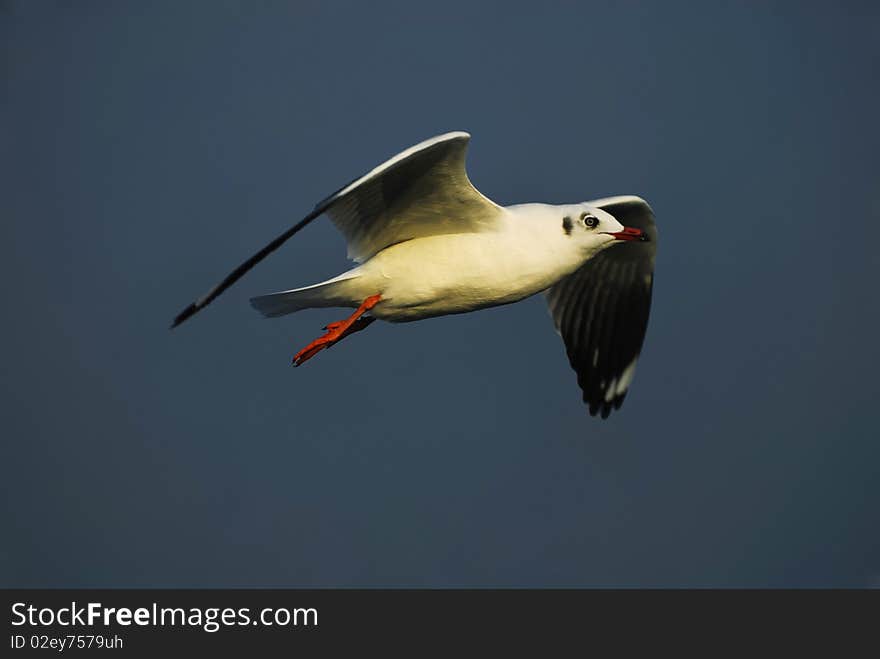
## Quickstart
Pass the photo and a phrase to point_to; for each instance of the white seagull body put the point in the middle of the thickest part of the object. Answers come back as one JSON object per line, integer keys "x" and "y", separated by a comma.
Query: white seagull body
{"x": 429, "y": 244}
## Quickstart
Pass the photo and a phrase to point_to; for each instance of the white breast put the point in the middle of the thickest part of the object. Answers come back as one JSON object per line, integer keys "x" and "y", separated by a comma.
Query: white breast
{"x": 457, "y": 273}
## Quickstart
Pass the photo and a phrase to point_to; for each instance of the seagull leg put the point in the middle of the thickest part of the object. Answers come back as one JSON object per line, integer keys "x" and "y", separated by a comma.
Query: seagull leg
{"x": 339, "y": 330}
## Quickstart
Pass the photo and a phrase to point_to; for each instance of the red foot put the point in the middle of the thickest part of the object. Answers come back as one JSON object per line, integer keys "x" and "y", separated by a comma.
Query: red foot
{"x": 338, "y": 330}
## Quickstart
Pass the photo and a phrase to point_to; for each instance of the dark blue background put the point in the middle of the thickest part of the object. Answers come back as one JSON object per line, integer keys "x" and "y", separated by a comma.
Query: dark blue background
{"x": 150, "y": 147}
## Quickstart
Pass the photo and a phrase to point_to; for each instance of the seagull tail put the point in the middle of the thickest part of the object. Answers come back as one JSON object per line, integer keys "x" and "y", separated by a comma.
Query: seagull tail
{"x": 331, "y": 293}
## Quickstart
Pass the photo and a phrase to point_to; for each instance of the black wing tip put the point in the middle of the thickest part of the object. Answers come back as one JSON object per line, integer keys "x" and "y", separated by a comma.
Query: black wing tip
{"x": 603, "y": 408}
{"x": 239, "y": 272}
{"x": 184, "y": 315}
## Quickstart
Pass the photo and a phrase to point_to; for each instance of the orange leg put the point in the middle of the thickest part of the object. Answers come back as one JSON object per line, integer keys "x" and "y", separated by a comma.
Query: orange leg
{"x": 338, "y": 331}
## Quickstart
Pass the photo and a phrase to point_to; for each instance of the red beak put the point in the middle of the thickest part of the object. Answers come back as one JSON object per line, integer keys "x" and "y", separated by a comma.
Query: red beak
{"x": 629, "y": 233}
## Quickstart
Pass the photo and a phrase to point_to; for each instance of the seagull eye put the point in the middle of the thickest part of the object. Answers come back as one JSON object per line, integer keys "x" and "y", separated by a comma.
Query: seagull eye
{"x": 590, "y": 220}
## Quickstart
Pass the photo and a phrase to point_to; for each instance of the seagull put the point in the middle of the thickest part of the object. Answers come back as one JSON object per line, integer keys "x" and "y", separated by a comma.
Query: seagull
{"x": 428, "y": 243}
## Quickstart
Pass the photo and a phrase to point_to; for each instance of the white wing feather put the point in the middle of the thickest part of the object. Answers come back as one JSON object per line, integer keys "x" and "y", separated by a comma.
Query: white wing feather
{"x": 423, "y": 191}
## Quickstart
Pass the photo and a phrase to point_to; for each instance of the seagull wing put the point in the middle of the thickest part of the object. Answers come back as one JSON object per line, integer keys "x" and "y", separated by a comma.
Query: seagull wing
{"x": 422, "y": 191}
{"x": 601, "y": 310}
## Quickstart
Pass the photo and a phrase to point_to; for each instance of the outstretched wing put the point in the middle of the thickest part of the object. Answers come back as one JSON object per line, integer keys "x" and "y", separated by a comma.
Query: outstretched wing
{"x": 601, "y": 310}
{"x": 423, "y": 191}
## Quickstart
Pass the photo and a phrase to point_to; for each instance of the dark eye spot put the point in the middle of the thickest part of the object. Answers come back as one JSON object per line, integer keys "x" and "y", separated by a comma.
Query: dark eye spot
{"x": 590, "y": 221}
{"x": 567, "y": 225}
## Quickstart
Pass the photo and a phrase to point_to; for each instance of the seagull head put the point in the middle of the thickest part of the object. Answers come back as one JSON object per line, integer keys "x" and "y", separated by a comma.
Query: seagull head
{"x": 598, "y": 229}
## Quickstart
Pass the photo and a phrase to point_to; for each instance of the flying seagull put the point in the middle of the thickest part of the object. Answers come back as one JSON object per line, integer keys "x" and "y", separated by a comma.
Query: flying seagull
{"x": 429, "y": 244}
